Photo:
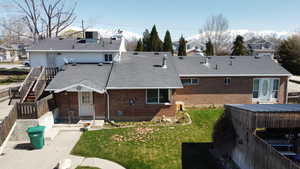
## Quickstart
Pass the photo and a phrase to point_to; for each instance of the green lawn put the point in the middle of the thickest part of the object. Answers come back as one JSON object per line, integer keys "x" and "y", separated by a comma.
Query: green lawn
{"x": 155, "y": 147}
{"x": 86, "y": 167}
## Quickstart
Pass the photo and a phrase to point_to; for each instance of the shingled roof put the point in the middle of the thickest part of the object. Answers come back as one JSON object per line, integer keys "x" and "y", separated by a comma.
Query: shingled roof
{"x": 104, "y": 44}
{"x": 85, "y": 76}
{"x": 228, "y": 66}
{"x": 144, "y": 71}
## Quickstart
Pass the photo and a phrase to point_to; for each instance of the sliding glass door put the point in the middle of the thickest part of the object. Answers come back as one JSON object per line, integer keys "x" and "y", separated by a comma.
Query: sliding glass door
{"x": 265, "y": 89}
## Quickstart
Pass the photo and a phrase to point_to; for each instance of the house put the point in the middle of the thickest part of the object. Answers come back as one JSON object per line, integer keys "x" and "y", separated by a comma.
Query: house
{"x": 150, "y": 85}
{"x": 219, "y": 80}
{"x": 265, "y": 136}
{"x": 12, "y": 52}
{"x": 92, "y": 49}
{"x": 139, "y": 87}
{"x": 260, "y": 47}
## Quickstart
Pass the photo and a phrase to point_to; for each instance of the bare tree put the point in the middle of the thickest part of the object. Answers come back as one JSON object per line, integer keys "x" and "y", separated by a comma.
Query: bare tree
{"x": 14, "y": 30}
{"x": 46, "y": 18}
{"x": 216, "y": 30}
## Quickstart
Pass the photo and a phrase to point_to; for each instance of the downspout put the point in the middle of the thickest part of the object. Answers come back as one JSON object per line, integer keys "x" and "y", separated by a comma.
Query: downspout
{"x": 107, "y": 94}
{"x": 287, "y": 91}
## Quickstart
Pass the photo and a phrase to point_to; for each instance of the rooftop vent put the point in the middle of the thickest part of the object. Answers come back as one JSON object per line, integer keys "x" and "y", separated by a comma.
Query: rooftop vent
{"x": 217, "y": 67}
{"x": 257, "y": 57}
{"x": 164, "y": 62}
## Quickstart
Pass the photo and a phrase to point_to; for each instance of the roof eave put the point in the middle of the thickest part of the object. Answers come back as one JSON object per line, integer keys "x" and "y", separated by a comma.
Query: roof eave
{"x": 80, "y": 51}
{"x": 232, "y": 75}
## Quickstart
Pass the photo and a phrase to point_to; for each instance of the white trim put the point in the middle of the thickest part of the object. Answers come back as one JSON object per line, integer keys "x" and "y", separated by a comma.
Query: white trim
{"x": 74, "y": 85}
{"x": 272, "y": 99}
{"x": 80, "y": 51}
{"x": 191, "y": 79}
{"x": 231, "y": 75}
{"x": 128, "y": 88}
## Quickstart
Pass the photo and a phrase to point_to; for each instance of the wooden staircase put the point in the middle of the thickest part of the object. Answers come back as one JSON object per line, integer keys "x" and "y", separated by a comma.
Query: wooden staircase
{"x": 34, "y": 85}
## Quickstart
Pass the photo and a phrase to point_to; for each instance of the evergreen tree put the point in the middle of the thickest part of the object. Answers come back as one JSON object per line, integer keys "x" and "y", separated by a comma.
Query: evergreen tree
{"x": 168, "y": 46}
{"x": 182, "y": 47}
{"x": 139, "y": 46}
{"x": 146, "y": 40}
{"x": 209, "y": 51}
{"x": 239, "y": 48}
{"x": 155, "y": 42}
{"x": 289, "y": 52}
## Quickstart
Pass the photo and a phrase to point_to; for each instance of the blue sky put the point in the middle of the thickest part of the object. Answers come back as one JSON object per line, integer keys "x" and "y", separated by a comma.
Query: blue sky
{"x": 187, "y": 16}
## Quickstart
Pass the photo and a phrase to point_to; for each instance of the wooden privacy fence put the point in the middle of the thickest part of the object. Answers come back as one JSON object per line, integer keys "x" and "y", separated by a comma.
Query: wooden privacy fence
{"x": 34, "y": 110}
{"x": 7, "y": 124}
{"x": 267, "y": 157}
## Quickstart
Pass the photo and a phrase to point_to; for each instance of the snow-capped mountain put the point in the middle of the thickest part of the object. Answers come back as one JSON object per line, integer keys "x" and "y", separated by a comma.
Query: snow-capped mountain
{"x": 248, "y": 34}
{"x": 105, "y": 33}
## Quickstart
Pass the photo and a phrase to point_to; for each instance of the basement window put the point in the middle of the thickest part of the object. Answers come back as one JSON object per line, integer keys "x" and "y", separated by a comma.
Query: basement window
{"x": 190, "y": 81}
{"x": 157, "y": 96}
{"x": 227, "y": 81}
{"x": 108, "y": 57}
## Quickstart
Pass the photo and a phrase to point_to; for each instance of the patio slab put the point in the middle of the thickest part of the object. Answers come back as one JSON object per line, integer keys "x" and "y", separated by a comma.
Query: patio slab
{"x": 19, "y": 155}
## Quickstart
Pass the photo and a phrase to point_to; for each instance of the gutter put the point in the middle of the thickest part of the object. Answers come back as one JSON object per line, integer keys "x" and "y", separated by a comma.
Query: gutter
{"x": 80, "y": 51}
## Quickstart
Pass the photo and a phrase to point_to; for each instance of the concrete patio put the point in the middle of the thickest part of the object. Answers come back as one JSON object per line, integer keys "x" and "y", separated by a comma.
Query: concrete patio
{"x": 19, "y": 155}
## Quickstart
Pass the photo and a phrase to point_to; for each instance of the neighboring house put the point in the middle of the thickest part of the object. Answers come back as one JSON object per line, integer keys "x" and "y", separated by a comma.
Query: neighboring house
{"x": 4, "y": 53}
{"x": 57, "y": 52}
{"x": 194, "y": 51}
{"x": 12, "y": 52}
{"x": 149, "y": 85}
{"x": 260, "y": 47}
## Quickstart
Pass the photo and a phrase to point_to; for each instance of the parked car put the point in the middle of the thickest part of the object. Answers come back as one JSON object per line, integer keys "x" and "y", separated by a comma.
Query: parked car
{"x": 26, "y": 63}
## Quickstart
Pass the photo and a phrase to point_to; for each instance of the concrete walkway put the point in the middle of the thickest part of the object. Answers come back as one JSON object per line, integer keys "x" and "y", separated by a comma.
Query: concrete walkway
{"x": 4, "y": 109}
{"x": 100, "y": 163}
{"x": 19, "y": 155}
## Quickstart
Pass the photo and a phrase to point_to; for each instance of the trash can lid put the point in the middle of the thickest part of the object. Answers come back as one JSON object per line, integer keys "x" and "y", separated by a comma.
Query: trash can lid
{"x": 36, "y": 129}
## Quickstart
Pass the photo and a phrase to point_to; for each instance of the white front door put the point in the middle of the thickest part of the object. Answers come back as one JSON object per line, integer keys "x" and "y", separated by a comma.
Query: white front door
{"x": 264, "y": 89}
{"x": 85, "y": 101}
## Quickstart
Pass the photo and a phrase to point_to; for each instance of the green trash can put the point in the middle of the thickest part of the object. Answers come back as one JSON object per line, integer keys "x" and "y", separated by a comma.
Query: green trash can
{"x": 36, "y": 135}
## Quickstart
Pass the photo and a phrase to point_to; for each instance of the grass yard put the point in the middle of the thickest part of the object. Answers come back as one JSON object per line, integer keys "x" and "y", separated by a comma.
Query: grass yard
{"x": 167, "y": 147}
{"x": 4, "y": 79}
{"x": 86, "y": 167}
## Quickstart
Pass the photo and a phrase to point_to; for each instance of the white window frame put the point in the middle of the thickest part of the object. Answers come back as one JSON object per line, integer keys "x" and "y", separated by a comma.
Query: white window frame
{"x": 191, "y": 81}
{"x": 278, "y": 90}
{"x": 158, "y": 102}
{"x": 272, "y": 99}
{"x": 227, "y": 81}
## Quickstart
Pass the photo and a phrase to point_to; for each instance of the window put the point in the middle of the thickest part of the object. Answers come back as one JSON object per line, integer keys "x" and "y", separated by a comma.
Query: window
{"x": 255, "y": 88}
{"x": 191, "y": 81}
{"x": 275, "y": 90}
{"x": 86, "y": 98}
{"x": 261, "y": 88}
{"x": 227, "y": 81}
{"x": 108, "y": 58}
{"x": 158, "y": 96}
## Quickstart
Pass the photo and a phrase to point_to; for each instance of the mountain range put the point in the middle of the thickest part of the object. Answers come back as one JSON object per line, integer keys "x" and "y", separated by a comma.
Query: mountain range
{"x": 247, "y": 34}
